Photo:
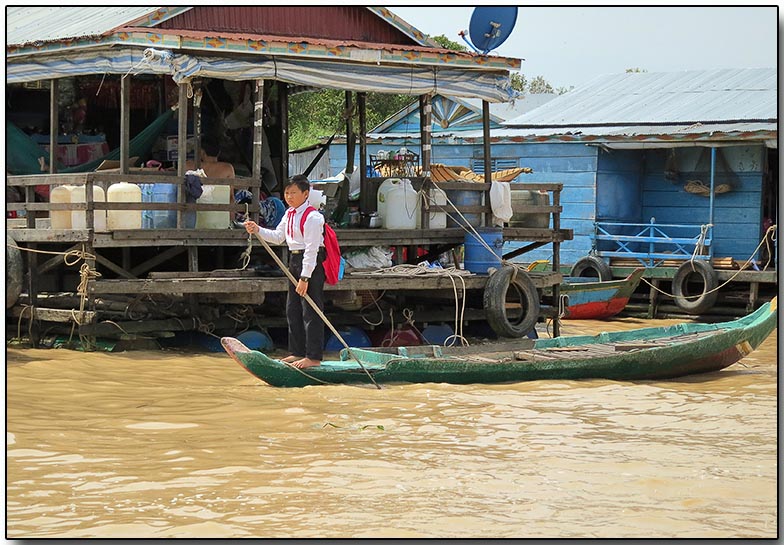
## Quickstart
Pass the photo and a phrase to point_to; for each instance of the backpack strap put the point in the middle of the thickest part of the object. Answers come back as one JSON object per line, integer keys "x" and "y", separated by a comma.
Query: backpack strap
{"x": 305, "y": 215}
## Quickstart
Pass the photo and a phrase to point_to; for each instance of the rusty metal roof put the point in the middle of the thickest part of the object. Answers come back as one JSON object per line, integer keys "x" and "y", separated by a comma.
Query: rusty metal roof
{"x": 43, "y": 30}
{"x": 686, "y": 97}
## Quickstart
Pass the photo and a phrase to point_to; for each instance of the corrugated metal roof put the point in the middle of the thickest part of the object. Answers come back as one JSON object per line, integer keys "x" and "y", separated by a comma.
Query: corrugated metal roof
{"x": 663, "y": 133}
{"x": 32, "y": 24}
{"x": 743, "y": 94}
{"x": 510, "y": 110}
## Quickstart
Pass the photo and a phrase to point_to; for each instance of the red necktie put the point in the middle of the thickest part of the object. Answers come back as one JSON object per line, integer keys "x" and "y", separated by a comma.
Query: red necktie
{"x": 292, "y": 212}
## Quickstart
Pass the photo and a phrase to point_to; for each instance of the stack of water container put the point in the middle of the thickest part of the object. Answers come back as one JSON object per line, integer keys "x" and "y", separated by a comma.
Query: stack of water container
{"x": 202, "y": 219}
{"x": 76, "y": 219}
{"x": 159, "y": 193}
{"x": 125, "y": 192}
{"x": 397, "y": 204}
{"x": 209, "y": 219}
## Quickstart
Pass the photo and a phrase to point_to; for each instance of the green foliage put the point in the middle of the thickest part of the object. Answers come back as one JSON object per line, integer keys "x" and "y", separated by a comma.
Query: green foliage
{"x": 635, "y": 70}
{"x": 446, "y": 43}
{"x": 537, "y": 85}
{"x": 319, "y": 114}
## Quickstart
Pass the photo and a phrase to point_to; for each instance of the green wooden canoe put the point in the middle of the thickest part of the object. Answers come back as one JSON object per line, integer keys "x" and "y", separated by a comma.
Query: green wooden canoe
{"x": 640, "y": 354}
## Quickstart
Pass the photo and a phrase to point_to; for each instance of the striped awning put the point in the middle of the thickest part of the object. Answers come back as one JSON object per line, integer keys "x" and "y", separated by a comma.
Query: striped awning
{"x": 492, "y": 86}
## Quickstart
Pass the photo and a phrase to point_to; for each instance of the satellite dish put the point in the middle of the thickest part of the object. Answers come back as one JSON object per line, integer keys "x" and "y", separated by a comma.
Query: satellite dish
{"x": 490, "y": 27}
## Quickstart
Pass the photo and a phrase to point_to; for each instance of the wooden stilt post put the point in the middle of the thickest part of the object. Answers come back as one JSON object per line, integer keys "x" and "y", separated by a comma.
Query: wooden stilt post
{"x": 182, "y": 147}
{"x": 258, "y": 140}
{"x": 54, "y": 124}
{"x": 283, "y": 102}
{"x": 362, "y": 107}
{"x": 425, "y": 125}
{"x": 488, "y": 158}
{"x": 125, "y": 123}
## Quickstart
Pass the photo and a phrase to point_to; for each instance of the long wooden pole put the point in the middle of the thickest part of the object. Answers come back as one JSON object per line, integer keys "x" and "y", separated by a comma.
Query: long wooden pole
{"x": 312, "y": 303}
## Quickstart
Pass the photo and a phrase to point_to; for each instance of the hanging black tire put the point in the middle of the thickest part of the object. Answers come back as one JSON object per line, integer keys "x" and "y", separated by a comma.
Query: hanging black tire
{"x": 13, "y": 272}
{"x": 691, "y": 272}
{"x": 504, "y": 286}
{"x": 592, "y": 267}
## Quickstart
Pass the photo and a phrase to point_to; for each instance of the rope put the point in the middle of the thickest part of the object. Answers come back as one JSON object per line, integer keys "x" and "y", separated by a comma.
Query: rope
{"x": 410, "y": 271}
{"x": 381, "y": 312}
{"x": 765, "y": 240}
{"x": 699, "y": 247}
{"x": 465, "y": 225}
{"x": 563, "y": 302}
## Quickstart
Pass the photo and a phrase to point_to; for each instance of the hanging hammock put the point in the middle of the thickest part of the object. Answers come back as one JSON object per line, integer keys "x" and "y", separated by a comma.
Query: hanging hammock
{"x": 22, "y": 152}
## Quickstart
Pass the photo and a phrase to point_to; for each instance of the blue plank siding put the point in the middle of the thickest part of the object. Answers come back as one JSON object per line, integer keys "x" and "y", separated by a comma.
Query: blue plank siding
{"x": 574, "y": 166}
{"x": 620, "y": 185}
{"x": 737, "y": 214}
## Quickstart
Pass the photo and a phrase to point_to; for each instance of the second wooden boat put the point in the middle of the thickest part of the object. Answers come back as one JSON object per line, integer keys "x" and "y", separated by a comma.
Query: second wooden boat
{"x": 591, "y": 299}
{"x": 638, "y": 354}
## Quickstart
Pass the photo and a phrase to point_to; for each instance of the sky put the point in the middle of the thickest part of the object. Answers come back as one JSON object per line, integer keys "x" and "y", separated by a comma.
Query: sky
{"x": 569, "y": 45}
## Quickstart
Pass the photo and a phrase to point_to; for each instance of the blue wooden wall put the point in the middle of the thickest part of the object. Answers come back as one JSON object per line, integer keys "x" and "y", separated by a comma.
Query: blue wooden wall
{"x": 618, "y": 185}
{"x": 737, "y": 214}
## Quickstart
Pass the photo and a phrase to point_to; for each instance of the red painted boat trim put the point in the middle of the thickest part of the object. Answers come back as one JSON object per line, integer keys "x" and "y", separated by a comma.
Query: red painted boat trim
{"x": 596, "y": 310}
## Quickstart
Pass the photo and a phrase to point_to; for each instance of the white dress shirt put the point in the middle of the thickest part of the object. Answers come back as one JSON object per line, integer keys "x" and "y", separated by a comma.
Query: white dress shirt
{"x": 288, "y": 231}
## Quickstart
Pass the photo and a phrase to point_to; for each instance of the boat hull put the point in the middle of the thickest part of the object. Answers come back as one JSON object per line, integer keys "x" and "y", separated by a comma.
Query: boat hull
{"x": 588, "y": 300}
{"x": 704, "y": 348}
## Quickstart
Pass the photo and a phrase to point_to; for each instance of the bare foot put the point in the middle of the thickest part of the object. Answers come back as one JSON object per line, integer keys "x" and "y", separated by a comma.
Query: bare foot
{"x": 304, "y": 363}
{"x": 290, "y": 359}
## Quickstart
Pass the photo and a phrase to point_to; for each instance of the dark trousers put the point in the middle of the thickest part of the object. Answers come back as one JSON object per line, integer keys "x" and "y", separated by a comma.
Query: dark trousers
{"x": 306, "y": 328}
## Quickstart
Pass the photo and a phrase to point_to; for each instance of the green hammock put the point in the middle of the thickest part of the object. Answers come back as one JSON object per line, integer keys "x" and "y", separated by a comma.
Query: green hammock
{"x": 22, "y": 152}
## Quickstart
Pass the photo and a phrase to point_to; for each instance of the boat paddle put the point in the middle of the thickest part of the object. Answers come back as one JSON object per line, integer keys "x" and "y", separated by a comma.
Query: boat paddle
{"x": 315, "y": 307}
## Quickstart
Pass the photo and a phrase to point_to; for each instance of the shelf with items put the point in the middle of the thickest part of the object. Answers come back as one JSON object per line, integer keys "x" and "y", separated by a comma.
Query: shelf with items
{"x": 395, "y": 164}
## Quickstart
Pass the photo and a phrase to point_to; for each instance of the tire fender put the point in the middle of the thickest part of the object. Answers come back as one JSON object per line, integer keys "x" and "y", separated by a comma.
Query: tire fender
{"x": 592, "y": 267}
{"x": 499, "y": 285}
{"x": 680, "y": 289}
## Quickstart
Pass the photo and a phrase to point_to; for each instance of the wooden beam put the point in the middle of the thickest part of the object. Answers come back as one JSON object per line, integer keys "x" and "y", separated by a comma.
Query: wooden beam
{"x": 157, "y": 260}
{"x": 53, "y": 262}
{"x": 125, "y": 123}
{"x": 283, "y": 102}
{"x": 54, "y": 123}
{"x": 197, "y": 94}
{"x": 52, "y": 314}
{"x": 350, "y": 136}
{"x": 425, "y": 126}
{"x": 113, "y": 267}
{"x": 258, "y": 126}
{"x": 182, "y": 146}
{"x": 362, "y": 106}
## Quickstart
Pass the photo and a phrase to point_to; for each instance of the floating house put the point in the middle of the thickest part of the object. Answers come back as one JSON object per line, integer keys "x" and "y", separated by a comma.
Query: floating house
{"x": 657, "y": 168}
{"x": 90, "y": 80}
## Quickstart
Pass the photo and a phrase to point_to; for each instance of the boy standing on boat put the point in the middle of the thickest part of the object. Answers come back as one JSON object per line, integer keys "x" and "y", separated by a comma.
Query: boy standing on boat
{"x": 306, "y": 251}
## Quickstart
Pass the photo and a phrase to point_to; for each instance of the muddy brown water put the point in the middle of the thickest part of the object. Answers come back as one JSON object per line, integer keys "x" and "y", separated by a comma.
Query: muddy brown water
{"x": 163, "y": 444}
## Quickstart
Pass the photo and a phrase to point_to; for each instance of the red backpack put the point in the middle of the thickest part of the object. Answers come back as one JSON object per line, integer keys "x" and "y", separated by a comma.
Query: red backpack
{"x": 332, "y": 268}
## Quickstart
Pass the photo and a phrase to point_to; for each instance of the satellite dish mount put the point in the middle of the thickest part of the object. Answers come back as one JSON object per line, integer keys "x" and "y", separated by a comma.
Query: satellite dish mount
{"x": 489, "y": 28}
